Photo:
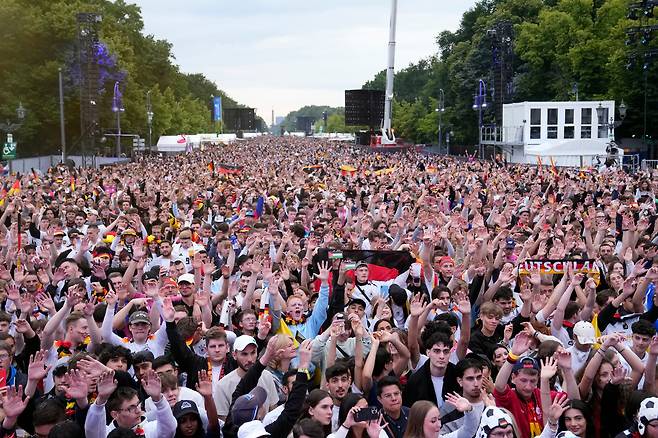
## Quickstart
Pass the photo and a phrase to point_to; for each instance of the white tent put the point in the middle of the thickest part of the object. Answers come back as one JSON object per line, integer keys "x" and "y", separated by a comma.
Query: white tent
{"x": 566, "y": 153}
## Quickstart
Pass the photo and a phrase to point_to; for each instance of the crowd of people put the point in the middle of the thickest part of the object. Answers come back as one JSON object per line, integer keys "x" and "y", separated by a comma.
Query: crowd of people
{"x": 291, "y": 287}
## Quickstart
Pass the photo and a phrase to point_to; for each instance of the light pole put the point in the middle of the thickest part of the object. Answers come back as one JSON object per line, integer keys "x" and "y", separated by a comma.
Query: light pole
{"x": 149, "y": 116}
{"x": 117, "y": 107}
{"x": 479, "y": 103}
{"x": 611, "y": 124}
{"x": 62, "y": 132}
{"x": 441, "y": 109}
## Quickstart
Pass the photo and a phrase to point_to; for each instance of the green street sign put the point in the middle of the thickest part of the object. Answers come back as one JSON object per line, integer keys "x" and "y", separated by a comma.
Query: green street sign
{"x": 9, "y": 151}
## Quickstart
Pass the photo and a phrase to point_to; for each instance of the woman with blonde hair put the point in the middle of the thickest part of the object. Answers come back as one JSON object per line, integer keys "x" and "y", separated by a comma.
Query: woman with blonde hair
{"x": 281, "y": 364}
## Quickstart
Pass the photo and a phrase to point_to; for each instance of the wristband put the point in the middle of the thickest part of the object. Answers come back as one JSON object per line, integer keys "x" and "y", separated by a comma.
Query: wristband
{"x": 305, "y": 371}
{"x": 512, "y": 358}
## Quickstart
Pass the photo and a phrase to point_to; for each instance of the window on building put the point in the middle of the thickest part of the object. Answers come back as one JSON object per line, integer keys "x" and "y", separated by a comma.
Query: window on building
{"x": 552, "y": 116}
{"x": 585, "y": 123}
{"x": 551, "y": 129}
{"x": 535, "y": 123}
{"x": 535, "y": 132}
{"x": 603, "y": 120}
{"x": 535, "y": 116}
{"x": 568, "y": 117}
{"x": 568, "y": 124}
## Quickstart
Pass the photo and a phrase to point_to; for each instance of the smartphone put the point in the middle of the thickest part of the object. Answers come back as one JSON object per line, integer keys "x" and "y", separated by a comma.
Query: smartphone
{"x": 340, "y": 317}
{"x": 367, "y": 414}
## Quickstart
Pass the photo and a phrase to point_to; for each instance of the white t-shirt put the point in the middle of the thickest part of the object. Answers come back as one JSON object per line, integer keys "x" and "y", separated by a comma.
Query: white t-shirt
{"x": 438, "y": 389}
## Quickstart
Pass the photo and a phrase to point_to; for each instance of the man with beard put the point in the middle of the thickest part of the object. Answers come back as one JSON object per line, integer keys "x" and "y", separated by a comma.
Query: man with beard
{"x": 339, "y": 383}
{"x": 299, "y": 325}
{"x": 165, "y": 259}
{"x": 469, "y": 377}
{"x": 245, "y": 354}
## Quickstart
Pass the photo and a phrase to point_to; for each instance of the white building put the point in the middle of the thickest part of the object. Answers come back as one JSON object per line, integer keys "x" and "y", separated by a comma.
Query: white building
{"x": 572, "y": 133}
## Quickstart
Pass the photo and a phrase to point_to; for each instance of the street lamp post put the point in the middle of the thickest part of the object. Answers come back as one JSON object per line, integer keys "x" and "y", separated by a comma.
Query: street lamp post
{"x": 117, "y": 107}
{"x": 441, "y": 109}
{"x": 480, "y": 103}
{"x": 149, "y": 117}
{"x": 611, "y": 124}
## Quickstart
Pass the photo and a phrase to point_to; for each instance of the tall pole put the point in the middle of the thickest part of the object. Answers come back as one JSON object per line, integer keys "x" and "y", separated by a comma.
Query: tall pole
{"x": 390, "y": 72}
{"x": 62, "y": 133}
{"x": 644, "y": 134}
{"x": 118, "y": 148}
{"x": 441, "y": 109}
{"x": 149, "y": 116}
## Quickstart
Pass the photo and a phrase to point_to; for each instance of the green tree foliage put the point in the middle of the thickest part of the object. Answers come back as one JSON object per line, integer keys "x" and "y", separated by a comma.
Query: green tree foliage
{"x": 39, "y": 37}
{"x": 556, "y": 43}
{"x": 290, "y": 122}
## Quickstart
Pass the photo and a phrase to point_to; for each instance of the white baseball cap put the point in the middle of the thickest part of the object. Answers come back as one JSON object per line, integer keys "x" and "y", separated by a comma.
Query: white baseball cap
{"x": 252, "y": 429}
{"x": 189, "y": 278}
{"x": 241, "y": 342}
{"x": 584, "y": 332}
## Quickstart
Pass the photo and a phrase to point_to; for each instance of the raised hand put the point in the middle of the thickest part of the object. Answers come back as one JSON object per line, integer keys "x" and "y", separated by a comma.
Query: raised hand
{"x": 458, "y": 402}
{"x": 619, "y": 375}
{"x": 168, "y": 311}
{"x": 77, "y": 385}
{"x": 548, "y": 368}
{"x": 152, "y": 385}
{"x": 305, "y": 352}
{"x": 45, "y": 302}
{"x": 375, "y": 427}
{"x": 557, "y": 408}
{"x": 204, "y": 387}
{"x": 13, "y": 403}
{"x": 105, "y": 386}
{"x": 92, "y": 368}
{"x": 464, "y": 304}
{"x": 37, "y": 369}
{"x": 417, "y": 305}
{"x": 323, "y": 274}
{"x": 521, "y": 344}
{"x": 563, "y": 359}
{"x": 13, "y": 293}
{"x": 653, "y": 347}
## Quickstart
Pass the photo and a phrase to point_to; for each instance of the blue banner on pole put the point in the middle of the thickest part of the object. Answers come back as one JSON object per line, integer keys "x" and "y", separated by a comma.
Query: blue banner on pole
{"x": 217, "y": 108}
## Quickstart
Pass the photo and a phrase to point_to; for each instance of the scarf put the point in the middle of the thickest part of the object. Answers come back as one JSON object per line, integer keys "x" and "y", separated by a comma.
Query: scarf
{"x": 64, "y": 347}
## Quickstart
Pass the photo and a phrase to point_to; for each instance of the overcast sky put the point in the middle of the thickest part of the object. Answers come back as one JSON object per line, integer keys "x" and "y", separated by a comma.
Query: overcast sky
{"x": 284, "y": 54}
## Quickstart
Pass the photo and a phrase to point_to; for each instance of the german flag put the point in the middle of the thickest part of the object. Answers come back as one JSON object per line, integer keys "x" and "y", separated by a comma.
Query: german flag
{"x": 73, "y": 184}
{"x": 227, "y": 169}
{"x": 432, "y": 170}
{"x": 15, "y": 188}
{"x": 3, "y": 194}
{"x": 211, "y": 166}
{"x": 347, "y": 170}
{"x": 382, "y": 265}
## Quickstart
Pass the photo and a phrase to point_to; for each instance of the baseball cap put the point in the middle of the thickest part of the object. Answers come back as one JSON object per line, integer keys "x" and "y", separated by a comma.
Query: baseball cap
{"x": 183, "y": 408}
{"x": 584, "y": 332}
{"x": 153, "y": 274}
{"x": 245, "y": 408}
{"x": 241, "y": 342}
{"x": 446, "y": 259}
{"x": 510, "y": 243}
{"x": 187, "y": 278}
{"x": 358, "y": 301}
{"x": 138, "y": 317}
{"x": 129, "y": 232}
{"x": 359, "y": 264}
{"x": 252, "y": 429}
{"x": 526, "y": 363}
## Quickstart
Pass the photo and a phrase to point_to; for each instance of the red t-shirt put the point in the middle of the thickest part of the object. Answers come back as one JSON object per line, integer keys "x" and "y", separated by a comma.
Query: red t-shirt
{"x": 527, "y": 414}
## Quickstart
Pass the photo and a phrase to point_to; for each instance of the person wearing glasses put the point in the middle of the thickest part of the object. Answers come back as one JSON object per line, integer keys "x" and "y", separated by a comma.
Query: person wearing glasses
{"x": 125, "y": 408}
